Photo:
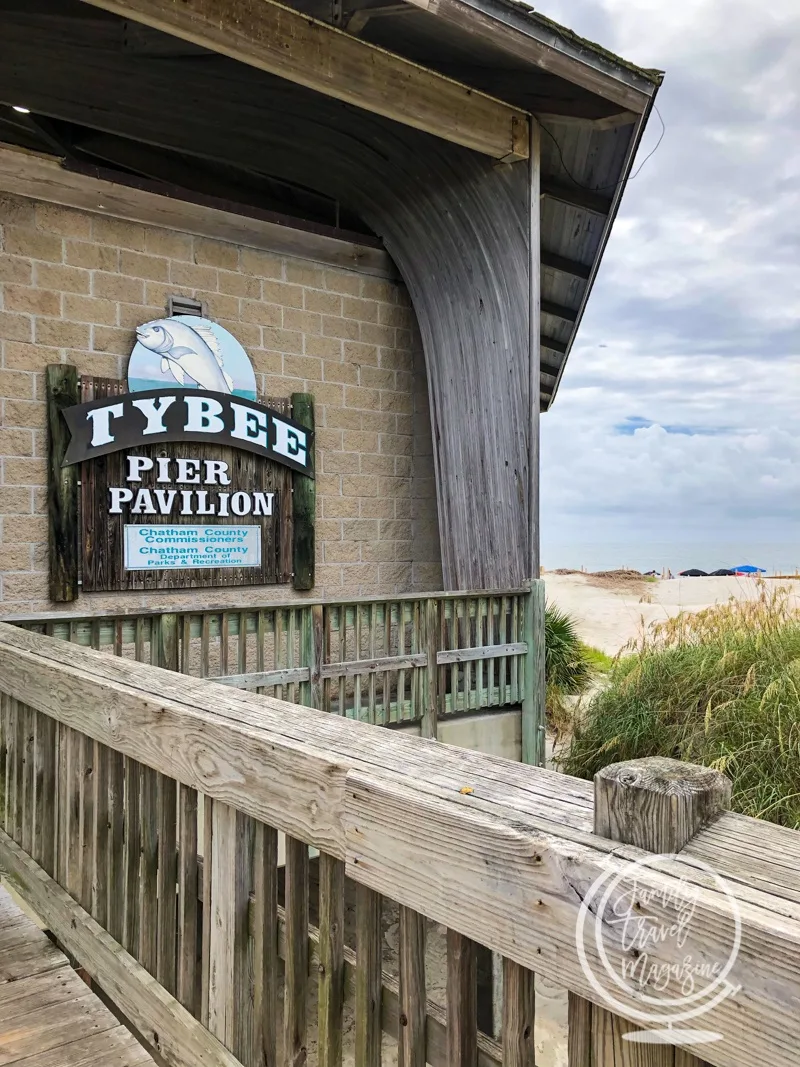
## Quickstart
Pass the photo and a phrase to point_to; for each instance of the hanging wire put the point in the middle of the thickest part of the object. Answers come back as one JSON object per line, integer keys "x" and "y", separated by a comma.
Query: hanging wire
{"x": 615, "y": 185}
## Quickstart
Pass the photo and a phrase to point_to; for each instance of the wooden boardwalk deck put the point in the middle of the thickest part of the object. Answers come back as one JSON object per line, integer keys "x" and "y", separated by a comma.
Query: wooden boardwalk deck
{"x": 48, "y": 1016}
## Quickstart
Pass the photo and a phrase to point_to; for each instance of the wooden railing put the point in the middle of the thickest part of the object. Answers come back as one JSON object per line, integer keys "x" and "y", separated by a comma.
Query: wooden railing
{"x": 415, "y": 658}
{"x": 143, "y": 815}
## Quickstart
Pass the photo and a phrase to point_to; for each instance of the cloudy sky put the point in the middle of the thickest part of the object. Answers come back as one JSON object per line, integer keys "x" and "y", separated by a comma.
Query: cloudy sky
{"x": 677, "y": 417}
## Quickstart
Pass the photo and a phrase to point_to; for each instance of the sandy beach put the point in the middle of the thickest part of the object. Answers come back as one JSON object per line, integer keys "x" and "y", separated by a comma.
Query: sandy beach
{"x": 611, "y": 612}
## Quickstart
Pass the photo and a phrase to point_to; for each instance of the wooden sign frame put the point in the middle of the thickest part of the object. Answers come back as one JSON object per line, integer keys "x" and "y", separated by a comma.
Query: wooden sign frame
{"x": 94, "y": 561}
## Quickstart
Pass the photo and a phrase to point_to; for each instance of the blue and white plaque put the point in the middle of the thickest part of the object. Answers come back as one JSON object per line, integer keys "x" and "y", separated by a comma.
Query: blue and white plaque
{"x": 149, "y": 548}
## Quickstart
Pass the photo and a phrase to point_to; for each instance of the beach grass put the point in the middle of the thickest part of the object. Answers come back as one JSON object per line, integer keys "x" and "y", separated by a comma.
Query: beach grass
{"x": 600, "y": 662}
{"x": 720, "y": 687}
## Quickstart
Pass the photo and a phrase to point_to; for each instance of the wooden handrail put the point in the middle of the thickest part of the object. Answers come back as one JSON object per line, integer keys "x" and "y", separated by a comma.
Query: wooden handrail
{"x": 211, "y": 609}
{"x": 412, "y": 658}
{"x": 501, "y": 853}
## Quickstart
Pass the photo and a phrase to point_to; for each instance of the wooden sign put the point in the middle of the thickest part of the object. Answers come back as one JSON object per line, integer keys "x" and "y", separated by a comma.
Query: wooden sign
{"x": 180, "y": 486}
{"x": 159, "y": 416}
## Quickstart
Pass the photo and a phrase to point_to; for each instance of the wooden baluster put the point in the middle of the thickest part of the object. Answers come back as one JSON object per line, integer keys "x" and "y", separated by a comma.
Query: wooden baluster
{"x": 515, "y": 694}
{"x": 502, "y": 694}
{"x": 417, "y": 684}
{"x": 72, "y": 812}
{"x": 94, "y": 824}
{"x": 44, "y": 786}
{"x": 296, "y": 983}
{"x": 533, "y": 697}
{"x": 228, "y": 881}
{"x": 306, "y": 655}
{"x": 471, "y": 666}
{"x": 246, "y": 1044}
{"x": 261, "y": 634}
{"x": 187, "y": 989}
{"x": 491, "y": 639}
{"x": 132, "y": 861}
{"x": 85, "y": 843}
{"x": 205, "y": 644}
{"x": 115, "y": 791}
{"x": 479, "y": 665}
{"x": 166, "y": 881}
{"x": 241, "y": 646}
{"x": 265, "y": 941}
{"x": 358, "y": 711}
{"x": 462, "y": 1001}
{"x": 342, "y": 680}
{"x": 469, "y": 642}
{"x": 413, "y": 996}
{"x": 148, "y": 871}
{"x": 138, "y": 640}
{"x": 315, "y": 664}
{"x": 401, "y": 651}
{"x": 277, "y": 659}
{"x": 519, "y": 1008}
{"x": 455, "y": 642}
{"x": 331, "y": 960}
{"x": 62, "y": 788}
{"x": 368, "y": 978}
{"x": 101, "y": 877}
{"x": 16, "y": 756}
{"x": 371, "y": 680}
{"x": 224, "y": 641}
{"x": 326, "y": 655}
{"x": 291, "y": 657}
{"x": 205, "y": 956}
{"x": 386, "y": 711}
{"x": 10, "y": 812}
{"x": 116, "y": 843}
{"x": 25, "y": 795}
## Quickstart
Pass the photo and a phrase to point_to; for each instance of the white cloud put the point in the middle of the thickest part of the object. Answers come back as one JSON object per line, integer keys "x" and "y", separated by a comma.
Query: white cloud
{"x": 694, "y": 323}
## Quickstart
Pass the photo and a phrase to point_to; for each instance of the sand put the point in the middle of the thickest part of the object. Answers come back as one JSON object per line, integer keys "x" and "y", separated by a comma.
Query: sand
{"x": 610, "y": 613}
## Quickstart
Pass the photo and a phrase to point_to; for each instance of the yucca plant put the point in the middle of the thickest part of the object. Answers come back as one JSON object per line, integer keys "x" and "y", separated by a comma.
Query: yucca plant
{"x": 568, "y": 665}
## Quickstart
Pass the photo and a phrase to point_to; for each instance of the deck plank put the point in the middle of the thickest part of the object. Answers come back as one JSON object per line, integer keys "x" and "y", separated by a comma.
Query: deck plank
{"x": 48, "y": 1015}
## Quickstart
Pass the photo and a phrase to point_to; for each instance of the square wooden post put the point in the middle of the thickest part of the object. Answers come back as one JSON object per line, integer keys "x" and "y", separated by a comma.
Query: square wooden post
{"x": 658, "y": 805}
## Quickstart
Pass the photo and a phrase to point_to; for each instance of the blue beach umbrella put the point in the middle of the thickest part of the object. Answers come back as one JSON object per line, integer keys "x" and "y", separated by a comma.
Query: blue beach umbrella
{"x": 748, "y": 568}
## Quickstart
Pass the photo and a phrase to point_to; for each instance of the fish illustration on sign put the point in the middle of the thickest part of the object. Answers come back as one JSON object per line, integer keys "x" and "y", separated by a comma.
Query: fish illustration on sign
{"x": 185, "y": 350}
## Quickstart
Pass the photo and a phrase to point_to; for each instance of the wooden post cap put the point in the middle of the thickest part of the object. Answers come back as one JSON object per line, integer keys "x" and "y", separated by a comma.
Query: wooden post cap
{"x": 657, "y": 804}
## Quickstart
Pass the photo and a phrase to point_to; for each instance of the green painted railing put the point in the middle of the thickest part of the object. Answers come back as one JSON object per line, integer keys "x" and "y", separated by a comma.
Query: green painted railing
{"x": 415, "y": 658}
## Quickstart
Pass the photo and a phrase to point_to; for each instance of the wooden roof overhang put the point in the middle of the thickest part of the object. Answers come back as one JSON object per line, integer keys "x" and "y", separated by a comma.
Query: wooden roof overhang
{"x": 410, "y": 122}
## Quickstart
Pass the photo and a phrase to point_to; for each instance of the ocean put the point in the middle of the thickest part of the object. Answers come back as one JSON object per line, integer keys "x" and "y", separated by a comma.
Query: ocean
{"x": 776, "y": 557}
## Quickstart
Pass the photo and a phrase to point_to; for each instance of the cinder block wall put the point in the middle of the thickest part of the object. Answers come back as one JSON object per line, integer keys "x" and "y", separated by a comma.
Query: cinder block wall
{"x": 73, "y": 286}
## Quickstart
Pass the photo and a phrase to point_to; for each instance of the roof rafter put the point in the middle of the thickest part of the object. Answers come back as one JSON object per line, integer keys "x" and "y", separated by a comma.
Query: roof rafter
{"x": 553, "y": 345}
{"x": 560, "y": 311}
{"x": 577, "y": 196}
{"x": 267, "y": 35}
{"x": 564, "y": 265}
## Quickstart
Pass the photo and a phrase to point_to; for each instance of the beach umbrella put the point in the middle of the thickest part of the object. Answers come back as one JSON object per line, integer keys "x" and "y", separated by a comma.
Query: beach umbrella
{"x": 722, "y": 573}
{"x": 747, "y": 568}
{"x": 693, "y": 572}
